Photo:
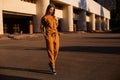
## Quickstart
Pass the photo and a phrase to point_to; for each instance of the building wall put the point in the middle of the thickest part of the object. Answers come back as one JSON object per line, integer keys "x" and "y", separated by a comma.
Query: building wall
{"x": 19, "y": 6}
{"x": 109, "y": 4}
{"x": 1, "y": 18}
{"x": 59, "y": 13}
{"x": 88, "y": 5}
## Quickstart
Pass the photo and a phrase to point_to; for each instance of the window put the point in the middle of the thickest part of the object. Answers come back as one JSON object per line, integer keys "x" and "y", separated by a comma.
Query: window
{"x": 95, "y": 0}
{"x": 31, "y": 1}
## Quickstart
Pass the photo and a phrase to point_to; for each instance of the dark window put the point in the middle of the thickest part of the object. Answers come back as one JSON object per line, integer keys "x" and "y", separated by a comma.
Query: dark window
{"x": 95, "y": 0}
{"x": 31, "y": 1}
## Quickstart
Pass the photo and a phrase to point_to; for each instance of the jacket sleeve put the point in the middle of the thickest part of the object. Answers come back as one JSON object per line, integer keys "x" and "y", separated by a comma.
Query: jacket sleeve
{"x": 44, "y": 21}
{"x": 42, "y": 26}
{"x": 56, "y": 18}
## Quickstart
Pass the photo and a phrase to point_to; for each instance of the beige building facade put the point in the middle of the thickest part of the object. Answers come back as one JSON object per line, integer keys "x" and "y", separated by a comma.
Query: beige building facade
{"x": 24, "y": 16}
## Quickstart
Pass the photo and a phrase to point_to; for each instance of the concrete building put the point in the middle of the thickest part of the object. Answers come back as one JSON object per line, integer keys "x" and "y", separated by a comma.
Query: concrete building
{"x": 23, "y": 16}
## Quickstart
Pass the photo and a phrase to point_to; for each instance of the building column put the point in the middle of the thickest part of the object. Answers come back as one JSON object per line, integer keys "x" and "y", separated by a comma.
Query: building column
{"x": 41, "y": 6}
{"x": 1, "y": 18}
{"x": 103, "y": 24}
{"x": 107, "y": 24}
{"x": 92, "y": 18}
{"x": 30, "y": 27}
{"x": 16, "y": 29}
{"x": 98, "y": 23}
{"x": 68, "y": 19}
{"x": 5, "y": 28}
{"x": 82, "y": 26}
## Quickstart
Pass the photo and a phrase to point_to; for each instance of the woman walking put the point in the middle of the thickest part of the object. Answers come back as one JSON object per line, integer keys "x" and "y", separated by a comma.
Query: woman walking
{"x": 49, "y": 29}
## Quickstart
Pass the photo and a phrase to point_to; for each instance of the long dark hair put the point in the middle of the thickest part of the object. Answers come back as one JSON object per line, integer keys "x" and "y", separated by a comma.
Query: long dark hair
{"x": 48, "y": 8}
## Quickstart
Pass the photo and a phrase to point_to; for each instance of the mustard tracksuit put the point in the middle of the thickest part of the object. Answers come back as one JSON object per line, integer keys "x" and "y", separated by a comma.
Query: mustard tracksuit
{"x": 52, "y": 38}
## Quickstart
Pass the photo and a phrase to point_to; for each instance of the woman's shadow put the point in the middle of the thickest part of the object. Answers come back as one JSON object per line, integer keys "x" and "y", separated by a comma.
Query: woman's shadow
{"x": 27, "y": 70}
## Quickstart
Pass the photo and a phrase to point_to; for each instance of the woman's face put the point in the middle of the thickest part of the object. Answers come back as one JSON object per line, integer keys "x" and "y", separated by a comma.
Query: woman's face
{"x": 51, "y": 10}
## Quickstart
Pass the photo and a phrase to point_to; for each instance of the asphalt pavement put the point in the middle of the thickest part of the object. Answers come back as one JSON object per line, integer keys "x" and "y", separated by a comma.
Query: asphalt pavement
{"x": 82, "y": 56}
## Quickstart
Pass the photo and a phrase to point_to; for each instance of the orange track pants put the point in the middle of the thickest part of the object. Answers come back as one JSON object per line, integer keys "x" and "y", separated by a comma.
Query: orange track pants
{"x": 52, "y": 44}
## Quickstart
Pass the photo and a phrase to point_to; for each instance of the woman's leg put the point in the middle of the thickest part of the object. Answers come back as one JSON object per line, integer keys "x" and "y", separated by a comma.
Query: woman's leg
{"x": 56, "y": 47}
{"x": 50, "y": 50}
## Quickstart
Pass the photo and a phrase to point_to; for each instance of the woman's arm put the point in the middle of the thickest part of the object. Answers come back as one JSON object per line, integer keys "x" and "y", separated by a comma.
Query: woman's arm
{"x": 42, "y": 28}
{"x": 56, "y": 20}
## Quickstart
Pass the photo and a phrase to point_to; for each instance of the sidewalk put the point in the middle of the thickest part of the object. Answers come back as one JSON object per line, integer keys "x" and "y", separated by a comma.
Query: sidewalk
{"x": 19, "y": 36}
{"x": 82, "y": 56}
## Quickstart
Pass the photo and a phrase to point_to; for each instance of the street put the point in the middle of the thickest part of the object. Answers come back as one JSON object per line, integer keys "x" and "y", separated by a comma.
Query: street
{"x": 82, "y": 56}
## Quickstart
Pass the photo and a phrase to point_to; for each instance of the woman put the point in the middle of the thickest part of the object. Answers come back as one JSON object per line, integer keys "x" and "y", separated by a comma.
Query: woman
{"x": 49, "y": 27}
